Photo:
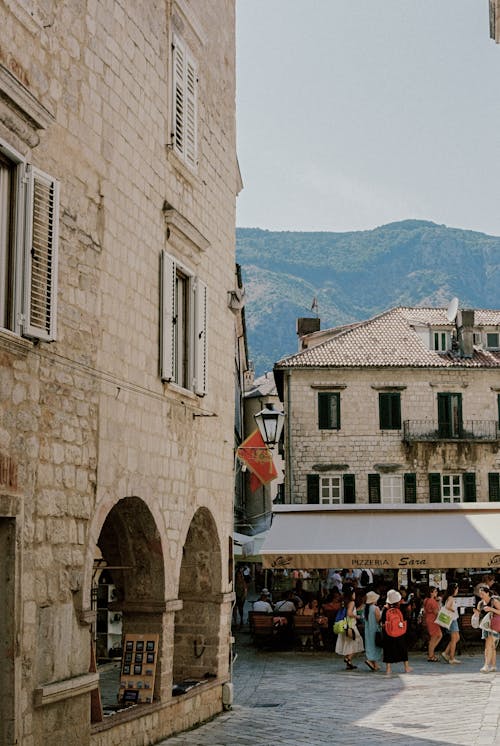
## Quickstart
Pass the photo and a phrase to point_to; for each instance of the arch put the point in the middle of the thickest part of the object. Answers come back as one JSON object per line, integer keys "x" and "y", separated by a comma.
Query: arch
{"x": 128, "y": 582}
{"x": 197, "y": 624}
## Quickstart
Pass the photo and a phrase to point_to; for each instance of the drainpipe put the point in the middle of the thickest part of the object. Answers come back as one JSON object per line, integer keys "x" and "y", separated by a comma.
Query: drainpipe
{"x": 289, "y": 449}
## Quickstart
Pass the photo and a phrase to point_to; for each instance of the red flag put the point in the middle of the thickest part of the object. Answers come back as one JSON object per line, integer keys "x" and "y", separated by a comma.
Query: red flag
{"x": 259, "y": 459}
{"x": 255, "y": 482}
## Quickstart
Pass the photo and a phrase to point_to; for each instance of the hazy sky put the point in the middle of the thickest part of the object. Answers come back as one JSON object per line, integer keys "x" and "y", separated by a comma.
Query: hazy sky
{"x": 356, "y": 113}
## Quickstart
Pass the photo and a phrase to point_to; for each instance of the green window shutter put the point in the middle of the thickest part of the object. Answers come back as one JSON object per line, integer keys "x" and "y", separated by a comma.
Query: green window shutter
{"x": 410, "y": 488}
{"x": 313, "y": 489}
{"x": 435, "y": 488}
{"x": 323, "y": 411}
{"x": 349, "y": 488}
{"x": 328, "y": 410}
{"x": 494, "y": 487}
{"x": 383, "y": 411}
{"x": 470, "y": 487}
{"x": 374, "y": 488}
{"x": 389, "y": 411}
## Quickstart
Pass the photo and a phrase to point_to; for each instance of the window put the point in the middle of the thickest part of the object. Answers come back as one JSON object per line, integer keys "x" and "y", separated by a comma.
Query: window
{"x": 334, "y": 490}
{"x": 390, "y": 411}
{"x": 183, "y": 326}
{"x": 492, "y": 340}
{"x": 452, "y": 488}
{"x": 328, "y": 411}
{"x": 184, "y": 103}
{"x": 494, "y": 487}
{"x": 29, "y": 202}
{"x": 450, "y": 415}
{"x": 330, "y": 490}
{"x": 391, "y": 488}
{"x": 440, "y": 341}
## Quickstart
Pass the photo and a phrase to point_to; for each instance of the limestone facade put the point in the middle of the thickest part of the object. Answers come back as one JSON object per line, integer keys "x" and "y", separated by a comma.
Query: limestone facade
{"x": 403, "y": 407}
{"x": 116, "y": 355}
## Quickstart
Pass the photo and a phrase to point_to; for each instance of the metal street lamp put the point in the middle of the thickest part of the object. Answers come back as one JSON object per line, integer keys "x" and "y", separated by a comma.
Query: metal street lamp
{"x": 270, "y": 423}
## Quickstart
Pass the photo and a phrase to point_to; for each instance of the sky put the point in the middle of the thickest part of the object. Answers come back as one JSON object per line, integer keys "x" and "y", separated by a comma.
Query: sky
{"x": 356, "y": 113}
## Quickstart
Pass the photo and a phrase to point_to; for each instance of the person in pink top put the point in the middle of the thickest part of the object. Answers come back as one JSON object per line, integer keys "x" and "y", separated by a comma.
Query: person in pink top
{"x": 431, "y": 610}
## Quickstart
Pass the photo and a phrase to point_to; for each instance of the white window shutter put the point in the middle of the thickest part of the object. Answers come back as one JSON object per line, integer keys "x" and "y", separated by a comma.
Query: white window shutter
{"x": 40, "y": 255}
{"x": 191, "y": 112}
{"x": 178, "y": 97}
{"x": 167, "y": 312}
{"x": 184, "y": 103}
{"x": 200, "y": 338}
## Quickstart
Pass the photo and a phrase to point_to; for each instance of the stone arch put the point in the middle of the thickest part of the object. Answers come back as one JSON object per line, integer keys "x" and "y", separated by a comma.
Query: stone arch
{"x": 198, "y": 622}
{"x": 130, "y": 554}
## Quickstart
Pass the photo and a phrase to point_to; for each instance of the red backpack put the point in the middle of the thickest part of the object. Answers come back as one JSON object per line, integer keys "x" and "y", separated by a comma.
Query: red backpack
{"x": 395, "y": 624}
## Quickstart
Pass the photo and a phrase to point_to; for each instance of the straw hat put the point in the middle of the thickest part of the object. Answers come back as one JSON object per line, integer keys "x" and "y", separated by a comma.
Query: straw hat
{"x": 393, "y": 597}
{"x": 372, "y": 597}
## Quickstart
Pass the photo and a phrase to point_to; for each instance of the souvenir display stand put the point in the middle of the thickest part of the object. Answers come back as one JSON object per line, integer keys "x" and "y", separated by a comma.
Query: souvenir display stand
{"x": 137, "y": 679}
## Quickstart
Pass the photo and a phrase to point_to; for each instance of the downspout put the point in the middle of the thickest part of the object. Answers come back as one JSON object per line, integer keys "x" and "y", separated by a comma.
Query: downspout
{"x": 289, "y": 449}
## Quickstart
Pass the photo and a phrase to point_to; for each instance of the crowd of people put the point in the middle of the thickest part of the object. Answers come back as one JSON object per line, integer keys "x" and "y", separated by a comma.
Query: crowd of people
{"x": 355, "y": 613}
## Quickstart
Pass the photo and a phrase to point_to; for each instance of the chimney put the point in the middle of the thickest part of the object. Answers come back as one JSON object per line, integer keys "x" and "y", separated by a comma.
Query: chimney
{"x": 466, "y": 333}
{"x": 307, "y": 326}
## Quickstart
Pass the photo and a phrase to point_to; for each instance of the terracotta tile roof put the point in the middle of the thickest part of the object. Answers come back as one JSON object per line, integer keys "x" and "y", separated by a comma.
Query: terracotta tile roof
{"x": 390, "y": 339}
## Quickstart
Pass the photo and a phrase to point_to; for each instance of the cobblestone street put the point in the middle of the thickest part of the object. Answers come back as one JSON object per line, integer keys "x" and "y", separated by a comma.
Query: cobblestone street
{"x": 297, "y": 698}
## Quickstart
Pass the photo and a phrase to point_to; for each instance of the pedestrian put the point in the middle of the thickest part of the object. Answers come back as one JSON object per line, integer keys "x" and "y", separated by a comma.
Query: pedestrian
{"x": 449, "y": 604}
{"x": 372, "y": 626}
{"x": 489, "y": 604}
{"x": 263, "y": 602}
{"x": 241, "y": 590}
{"x": 349, "y": 642}
{"x": 431, "y": 609}
{"x": 394, "y": 638}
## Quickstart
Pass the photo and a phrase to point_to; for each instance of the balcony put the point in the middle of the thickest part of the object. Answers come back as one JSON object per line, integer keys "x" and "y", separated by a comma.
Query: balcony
{"x": 485, "y": 431}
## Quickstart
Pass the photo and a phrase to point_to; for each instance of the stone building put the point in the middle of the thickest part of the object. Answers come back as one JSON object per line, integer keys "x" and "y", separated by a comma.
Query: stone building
{"x": 118, "y": 177}
{"x": 400, "y": 411}
{"x": 495, "y": 20}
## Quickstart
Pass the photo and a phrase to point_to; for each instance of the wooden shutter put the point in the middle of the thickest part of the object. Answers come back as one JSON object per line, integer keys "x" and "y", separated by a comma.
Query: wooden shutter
{"x": 313, "y": 489}
{"x": 383, "y": 411}
{"x": 323, "y": 410}
{"x": 435, "y": 488}
{"x": 184, "y": 103}
{"x": 470, "y": 487}
{"x": 178, "y": 97}
{"x": 167, "y": 313}
{"x": 494, "y": 487}
{"x": 40, "y": 255}
{"x": 349, "y": 488}
{"x": 200, "y": 338}
{"x": 410, "y": 488}
{"x": 374, "y": 488}
{"x": 328, "y": 411}
{"x": 191, "y": 112}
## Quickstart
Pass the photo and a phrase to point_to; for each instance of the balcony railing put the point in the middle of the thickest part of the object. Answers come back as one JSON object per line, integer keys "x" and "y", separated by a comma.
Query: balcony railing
{"x": 483, "y": 430}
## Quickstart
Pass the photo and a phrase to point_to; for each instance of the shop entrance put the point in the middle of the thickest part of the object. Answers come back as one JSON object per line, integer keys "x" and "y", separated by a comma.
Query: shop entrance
{"x": 7, "y": 631}
{"x": 128, "y": 592}
{"x": 197, "y": 624}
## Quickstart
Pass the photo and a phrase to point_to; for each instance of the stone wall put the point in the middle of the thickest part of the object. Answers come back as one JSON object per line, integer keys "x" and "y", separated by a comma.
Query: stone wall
{"x": 86, "y": 420}
{"x": 360, "y": 447}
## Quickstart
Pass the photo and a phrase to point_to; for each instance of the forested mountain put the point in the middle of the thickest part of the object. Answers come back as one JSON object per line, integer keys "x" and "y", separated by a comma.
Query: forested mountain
{"x": 357, "y": 274}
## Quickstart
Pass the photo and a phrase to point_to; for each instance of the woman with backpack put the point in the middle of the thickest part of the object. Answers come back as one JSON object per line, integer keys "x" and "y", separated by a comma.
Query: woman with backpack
{"x": 394, "y": 638}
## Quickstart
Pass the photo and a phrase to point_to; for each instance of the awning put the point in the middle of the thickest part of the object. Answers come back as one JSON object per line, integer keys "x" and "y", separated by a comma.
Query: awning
{"x": 377, "y": 536}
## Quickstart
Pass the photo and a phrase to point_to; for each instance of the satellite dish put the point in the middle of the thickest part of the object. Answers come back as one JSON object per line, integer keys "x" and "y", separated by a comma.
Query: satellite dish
{"x": 451, "y": 312}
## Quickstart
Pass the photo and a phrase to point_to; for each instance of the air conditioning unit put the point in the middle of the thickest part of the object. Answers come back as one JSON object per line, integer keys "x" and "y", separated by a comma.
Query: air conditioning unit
{"x": 227, "y": 695}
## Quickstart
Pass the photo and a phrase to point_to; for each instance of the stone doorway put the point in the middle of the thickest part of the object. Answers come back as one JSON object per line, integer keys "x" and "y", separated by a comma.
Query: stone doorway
{"x": 129, "y": 566}
{"x": 7, "y": 630}
{"x": 197, "y": 624}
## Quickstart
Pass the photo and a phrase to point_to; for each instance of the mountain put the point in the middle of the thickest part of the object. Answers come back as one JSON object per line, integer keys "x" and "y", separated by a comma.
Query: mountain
{"x": 357, "y": 274}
